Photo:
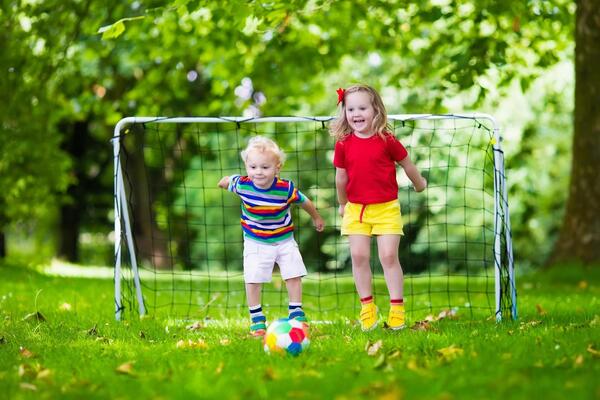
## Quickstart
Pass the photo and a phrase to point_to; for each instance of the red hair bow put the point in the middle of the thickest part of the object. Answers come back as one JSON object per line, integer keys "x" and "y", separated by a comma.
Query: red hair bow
{"x": 340, "y": 93}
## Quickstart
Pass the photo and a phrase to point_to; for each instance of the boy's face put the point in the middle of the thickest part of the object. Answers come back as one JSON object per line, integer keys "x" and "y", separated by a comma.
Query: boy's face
{"x": 262, "y": 167}
{"x": 360, "y": 113}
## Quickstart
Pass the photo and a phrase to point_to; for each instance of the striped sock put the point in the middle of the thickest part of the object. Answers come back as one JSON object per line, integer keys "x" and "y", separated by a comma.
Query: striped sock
{"x": 366, "y": 300}
{"x": 296, "y": 312}
{"x": 257, "y": 317}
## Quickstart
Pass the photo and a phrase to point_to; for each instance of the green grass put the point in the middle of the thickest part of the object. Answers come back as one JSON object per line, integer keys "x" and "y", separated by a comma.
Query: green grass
{"x": 551, "y": 352}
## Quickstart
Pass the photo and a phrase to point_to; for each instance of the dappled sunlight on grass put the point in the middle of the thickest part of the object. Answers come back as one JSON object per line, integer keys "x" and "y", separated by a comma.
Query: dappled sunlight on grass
{"x": 78, "y": 350}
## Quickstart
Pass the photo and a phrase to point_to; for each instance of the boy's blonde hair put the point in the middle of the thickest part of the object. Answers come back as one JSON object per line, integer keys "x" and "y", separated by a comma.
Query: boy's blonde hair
{"x": 263, "y": 144}
{"x": 340, "y": 128}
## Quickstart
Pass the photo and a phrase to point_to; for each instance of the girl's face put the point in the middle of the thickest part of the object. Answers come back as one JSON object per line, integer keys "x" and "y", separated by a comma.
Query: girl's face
{"x": 262, "y": 167}
{"x": 360, "y": 113}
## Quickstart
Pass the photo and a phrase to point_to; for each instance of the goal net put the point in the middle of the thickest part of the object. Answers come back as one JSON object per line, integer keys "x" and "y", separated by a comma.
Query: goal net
{"x": 178, "y": 240}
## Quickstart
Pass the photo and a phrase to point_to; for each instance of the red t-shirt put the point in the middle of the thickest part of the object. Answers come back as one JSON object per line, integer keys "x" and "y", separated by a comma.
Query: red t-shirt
{"x": 371, "y": 167}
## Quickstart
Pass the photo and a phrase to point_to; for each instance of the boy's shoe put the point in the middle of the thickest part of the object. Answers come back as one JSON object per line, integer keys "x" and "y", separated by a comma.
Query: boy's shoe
{"x": 259, "y": 333}
{"x": 298, "y": 315}
{"x": 368, "y": 317}
{"x": 258, "y": 329}
{"x": 395, "y": 319}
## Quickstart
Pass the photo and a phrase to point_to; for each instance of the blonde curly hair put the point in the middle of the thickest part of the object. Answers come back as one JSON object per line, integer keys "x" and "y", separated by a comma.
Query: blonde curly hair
{"x": 263, "y": 144}
{"x": 340, "y": 128}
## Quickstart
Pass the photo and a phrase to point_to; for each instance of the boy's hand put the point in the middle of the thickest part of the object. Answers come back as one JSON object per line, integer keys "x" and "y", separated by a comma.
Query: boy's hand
{"x": 421, "y": 186}
{"x": 341, "y": 209}
{"x": 224, "y": 182}
{"x": 319, "y": 223}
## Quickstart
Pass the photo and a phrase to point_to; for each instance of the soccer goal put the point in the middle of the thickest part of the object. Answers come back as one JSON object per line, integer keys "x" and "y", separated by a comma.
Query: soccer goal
{"x": 178, "y": 241}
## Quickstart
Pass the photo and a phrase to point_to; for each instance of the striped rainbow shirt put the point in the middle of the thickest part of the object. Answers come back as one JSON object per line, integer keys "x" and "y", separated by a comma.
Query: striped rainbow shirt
{"x": 266, "y": 212}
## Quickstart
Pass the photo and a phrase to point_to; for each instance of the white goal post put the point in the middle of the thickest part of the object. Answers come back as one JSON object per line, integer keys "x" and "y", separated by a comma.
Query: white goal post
{"x": 504, "y": 277}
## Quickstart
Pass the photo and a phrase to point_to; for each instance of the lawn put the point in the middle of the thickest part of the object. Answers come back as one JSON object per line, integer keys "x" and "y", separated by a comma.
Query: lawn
{"x": 59, "y": 339}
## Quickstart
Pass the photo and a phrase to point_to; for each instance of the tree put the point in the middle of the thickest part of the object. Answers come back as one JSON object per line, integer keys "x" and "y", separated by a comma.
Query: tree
{"x": 186, "y": 57}
{"x": 430, "y": 52}
{"x": 580, "y": 233}
{"x": 32, "y": 167}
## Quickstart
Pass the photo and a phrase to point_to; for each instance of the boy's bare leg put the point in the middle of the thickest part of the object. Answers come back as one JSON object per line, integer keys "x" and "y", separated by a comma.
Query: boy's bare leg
{"x": 253, "y": 291}
{"x": 294, "y": 288}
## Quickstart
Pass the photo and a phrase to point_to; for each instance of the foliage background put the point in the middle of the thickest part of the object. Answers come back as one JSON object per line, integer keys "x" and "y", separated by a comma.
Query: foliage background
{"x": 66, "y": 86}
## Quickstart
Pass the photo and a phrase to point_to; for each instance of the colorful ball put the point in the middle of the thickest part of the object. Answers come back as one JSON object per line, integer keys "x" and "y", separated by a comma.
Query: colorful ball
{"x": 286, "y": 336}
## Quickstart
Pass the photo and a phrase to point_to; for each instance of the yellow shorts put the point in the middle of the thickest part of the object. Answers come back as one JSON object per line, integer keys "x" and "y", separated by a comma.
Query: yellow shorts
{"x": 372, "y": 219}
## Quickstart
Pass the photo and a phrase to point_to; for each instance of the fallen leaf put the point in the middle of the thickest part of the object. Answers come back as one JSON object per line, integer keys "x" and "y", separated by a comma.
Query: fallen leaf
{"x": 578, "y": 361}
{"x": 270, "y": 374}
{"x": 125, "y": 368}
{"x": 540, "y": 310}
{"x": 592, "y": 351}
{"x": 93, "y": 331}
{"x": 103, "y": 339}
{"x": 393, "y": 393}
{"x": 525, "y": 325}
{"x": 195, "y": 326}
{"x": 28, "y": 386}
{"x": 450, "y": 313}
{"x": 380, "y": 362}
{"x": 44, "y": 374}
{"x": 25, "y": 353}
{"x": 396, "y": 353}
{"x": 191, "y": 344}
{"x": 311, "y": 372}
{"x": 36, "y": 316}
{"x": 219, "y": 368}
{"x": 373, "y": 348}
{"x": 65, "y": 307}
{"x": 25, "y": 370}
{"x": 423, "y": 326}
{"x": 413, "y": 365}
{"x": 561, "y": 362}
{"x": 451, "y": 352}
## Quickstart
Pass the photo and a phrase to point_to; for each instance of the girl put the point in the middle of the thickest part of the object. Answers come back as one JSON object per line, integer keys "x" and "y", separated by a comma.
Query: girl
{"x": 365, "y": 157}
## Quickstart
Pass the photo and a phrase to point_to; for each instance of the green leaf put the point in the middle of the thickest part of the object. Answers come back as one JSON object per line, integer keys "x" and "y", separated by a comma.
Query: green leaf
{"x": 251, "y": 25}
{"x": 115, "y": 30}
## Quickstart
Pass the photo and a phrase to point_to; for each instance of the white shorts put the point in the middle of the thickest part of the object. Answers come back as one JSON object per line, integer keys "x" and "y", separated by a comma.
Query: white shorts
{"x": 260, "y": 258}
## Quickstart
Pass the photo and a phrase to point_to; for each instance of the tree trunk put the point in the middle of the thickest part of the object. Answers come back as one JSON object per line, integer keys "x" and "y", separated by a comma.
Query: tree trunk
{"x": 151, "y": 242}
{"x": 68, "y": 247}
{"x": 2, "y": 245}
{"x": 76, "y": 141}
{"x": 579, "y": 238}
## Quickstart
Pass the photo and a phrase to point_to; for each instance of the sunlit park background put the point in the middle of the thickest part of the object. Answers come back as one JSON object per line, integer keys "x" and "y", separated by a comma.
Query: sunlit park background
{"x": 71, "y": 69}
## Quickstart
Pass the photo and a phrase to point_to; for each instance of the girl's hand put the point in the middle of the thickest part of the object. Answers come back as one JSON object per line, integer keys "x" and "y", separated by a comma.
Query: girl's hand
{"x": 341, "y": 209}
{"x": 319, "y": 223}
{"x": 421, "y": 186}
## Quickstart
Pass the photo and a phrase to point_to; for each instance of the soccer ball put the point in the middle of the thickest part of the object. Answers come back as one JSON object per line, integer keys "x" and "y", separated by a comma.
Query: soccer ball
{"x": 286, "y": 336}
